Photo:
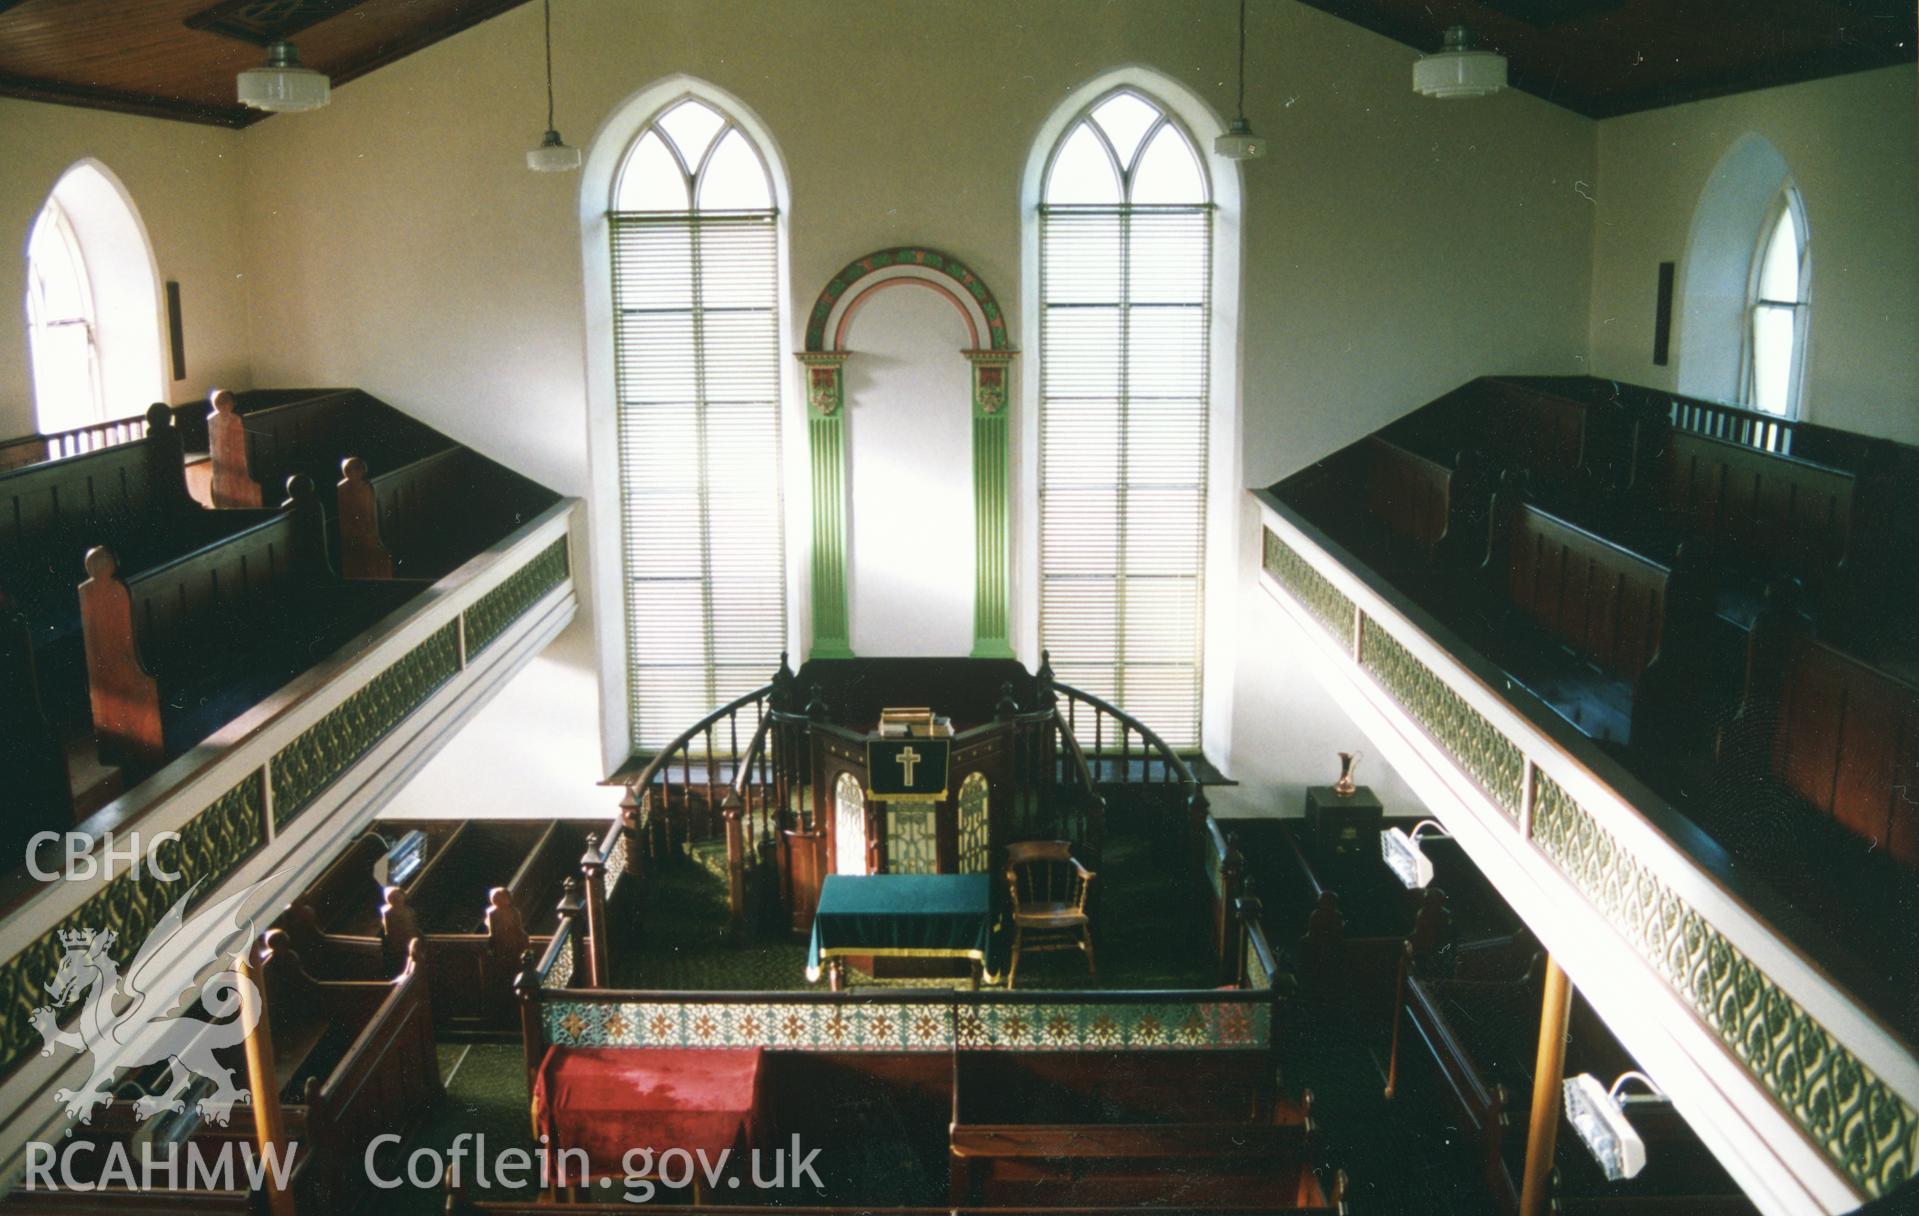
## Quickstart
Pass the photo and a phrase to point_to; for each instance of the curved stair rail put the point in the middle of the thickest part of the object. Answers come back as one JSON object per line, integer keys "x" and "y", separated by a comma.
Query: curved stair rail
{"x": 1113, "y": 755}
{"x": 679, "y": 794}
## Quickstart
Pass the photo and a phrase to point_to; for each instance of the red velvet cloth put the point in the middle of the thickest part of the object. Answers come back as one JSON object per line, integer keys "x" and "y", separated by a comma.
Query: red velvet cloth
{"x": 609, "y": 1101}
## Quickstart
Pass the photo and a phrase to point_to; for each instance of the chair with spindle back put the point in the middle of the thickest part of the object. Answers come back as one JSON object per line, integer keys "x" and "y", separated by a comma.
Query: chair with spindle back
{"x": 1049, "y": 889}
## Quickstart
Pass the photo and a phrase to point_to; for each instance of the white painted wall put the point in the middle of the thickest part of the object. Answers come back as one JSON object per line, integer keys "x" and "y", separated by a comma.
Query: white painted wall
{"x": 909, "y": 442}
{"x": 1851, "y": 144}
{"x": 186, "y": 182}
{"x": 1394, "y": 246}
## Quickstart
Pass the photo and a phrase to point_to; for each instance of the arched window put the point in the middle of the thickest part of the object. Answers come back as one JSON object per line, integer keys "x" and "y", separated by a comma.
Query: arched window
{"x": 695, "y": 263}
{"x": 975, "y": 820}
{"x": 1776, "y": 311}
{"x": 1125, "y": 282}
{"x": 849, "y": 825}
{"x": 61, "y": 327}
{"x": 93, "y": 305}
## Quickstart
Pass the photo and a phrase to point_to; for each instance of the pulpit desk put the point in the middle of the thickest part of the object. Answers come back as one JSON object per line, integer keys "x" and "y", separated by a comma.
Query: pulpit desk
{"x": 901, "y": 916}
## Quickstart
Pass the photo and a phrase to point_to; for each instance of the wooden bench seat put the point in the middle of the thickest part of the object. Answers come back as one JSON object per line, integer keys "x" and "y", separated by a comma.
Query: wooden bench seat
{"x": 257, "y": 452}
{"x": 426, "y": 518}
{"x": 1123, "y": 1129}
{"x": 176, "y": 651}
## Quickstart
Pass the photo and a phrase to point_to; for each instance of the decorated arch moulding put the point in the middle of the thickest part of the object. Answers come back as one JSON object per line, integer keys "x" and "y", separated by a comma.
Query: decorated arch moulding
{"x": 990, "y": 354}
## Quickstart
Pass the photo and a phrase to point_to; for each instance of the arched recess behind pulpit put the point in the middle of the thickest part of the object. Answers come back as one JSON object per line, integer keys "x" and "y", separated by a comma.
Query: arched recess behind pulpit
{"x": 826, "y": 358}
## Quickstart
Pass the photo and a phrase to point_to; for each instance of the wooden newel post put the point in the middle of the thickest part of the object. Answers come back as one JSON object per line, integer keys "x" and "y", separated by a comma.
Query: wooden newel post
{"x": 593, "y": 875}
{"x": 1228, "y": 931}
{"x": 1548, "y": 1072}
{"x": 526, "y": 986}
{"x": 735, "y": 867}
{"x": 269, "y": 1126}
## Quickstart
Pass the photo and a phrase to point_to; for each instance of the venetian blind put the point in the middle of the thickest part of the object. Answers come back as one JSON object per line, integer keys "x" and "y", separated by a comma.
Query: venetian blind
{"x": 697, "y": 364}
{"x": 1125, "y": 287}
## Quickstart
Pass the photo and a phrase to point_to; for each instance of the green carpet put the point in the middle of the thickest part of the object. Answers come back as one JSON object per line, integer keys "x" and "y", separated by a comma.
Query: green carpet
{"x": 485, "y": 1096}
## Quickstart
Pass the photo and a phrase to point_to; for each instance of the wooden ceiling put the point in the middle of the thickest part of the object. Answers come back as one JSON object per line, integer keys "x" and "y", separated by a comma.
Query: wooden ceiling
{"x": 178, "y": 58}
{"x": 1608, "y": 57}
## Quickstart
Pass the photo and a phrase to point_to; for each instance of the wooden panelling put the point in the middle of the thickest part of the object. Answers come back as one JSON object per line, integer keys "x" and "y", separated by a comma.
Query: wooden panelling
{"x": 1603, "y": 601}
{"x": 1783, "y": 515}
{"x": 144, "y": 58}
{"x": 1848, "y": 743}
{"x": 1596, "y": 57}
{"x": 1407, "y": 492}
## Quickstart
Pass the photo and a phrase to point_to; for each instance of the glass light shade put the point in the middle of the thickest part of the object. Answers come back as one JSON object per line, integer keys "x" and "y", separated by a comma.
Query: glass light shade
{"x": 1404, "y": 857}
{"x": 1457, "y": 70}
{"x": 283, "y": 86}
{"x": 1596, "y": 1115}
{"x": 554, "y": 155}
{"x": 1239, "y": 142}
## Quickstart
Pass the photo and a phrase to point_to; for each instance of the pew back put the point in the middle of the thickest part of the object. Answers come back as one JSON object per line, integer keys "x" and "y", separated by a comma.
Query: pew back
{"x": 1602, "y": 600}
{"x": 1408, "y": 493}
{"x": 1778, "y": 514}
{"x": 182, "y": 607}
{"x": 255, "y": 452}
{"x": 1847, "y": 742}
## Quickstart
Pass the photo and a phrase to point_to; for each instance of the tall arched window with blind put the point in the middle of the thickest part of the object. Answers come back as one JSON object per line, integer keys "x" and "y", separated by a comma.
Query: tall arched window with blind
{"x": 1776, "y": 310}
{"x": 61, "y": 327}
{"x": 1125, "y": 284}
{"x": 697, "y": 379}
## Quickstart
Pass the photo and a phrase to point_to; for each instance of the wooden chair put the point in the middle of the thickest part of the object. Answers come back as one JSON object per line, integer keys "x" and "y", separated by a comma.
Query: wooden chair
{"x": 1049, "y": 889}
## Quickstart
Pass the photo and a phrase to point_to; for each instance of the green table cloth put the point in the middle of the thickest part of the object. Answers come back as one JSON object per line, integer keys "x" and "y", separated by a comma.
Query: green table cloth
{"x": 903, "y": 916}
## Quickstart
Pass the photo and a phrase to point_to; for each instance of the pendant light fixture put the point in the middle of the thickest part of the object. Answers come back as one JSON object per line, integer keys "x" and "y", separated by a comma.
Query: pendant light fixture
{"x": 554, "y": 155}
{"x": 283, "y": 85}
{"x": 1239, "y": 142}
{"x": 1459, "y": 69}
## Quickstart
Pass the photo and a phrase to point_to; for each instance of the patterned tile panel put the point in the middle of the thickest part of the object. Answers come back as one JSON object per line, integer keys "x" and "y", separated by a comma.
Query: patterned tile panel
{"x": 490, "y": 615}
{"x": 1309, "y": 587}
{"x": 617, "y": 859}
{"x": 814, "y": 1026}
{"x": 560, "y": 974}
{"x": 211, "y": 846}
{"x": 330, "y": 746}
{"x": 911, "y": 845}
{"x": 1866, "y": 1130}
{"x": 1492, "y": 759}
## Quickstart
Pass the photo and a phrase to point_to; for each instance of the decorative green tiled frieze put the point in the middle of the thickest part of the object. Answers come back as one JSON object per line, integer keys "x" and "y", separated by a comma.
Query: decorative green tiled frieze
{"x": 1867, "y": 1131}
{"x": 326, "y": 749}
{"x": 500, "y": 607}
{"x": 560, "y": 974}
{"x": 849, "y": 1026}
{"x": 1309, "y": 587}
{"x": 211, "y": 846}
{"x": 1493, "y": 760}
{"x": 1257, "y": 976}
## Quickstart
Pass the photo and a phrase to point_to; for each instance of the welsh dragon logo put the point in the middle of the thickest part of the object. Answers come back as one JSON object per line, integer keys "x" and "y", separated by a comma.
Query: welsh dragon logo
{"x": 129, "y": 1024}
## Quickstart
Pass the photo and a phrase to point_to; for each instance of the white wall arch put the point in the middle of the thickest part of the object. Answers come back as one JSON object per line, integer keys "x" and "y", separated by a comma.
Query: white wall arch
{"x": 1224, "y": 507}
{"x": 1716, "y": 276}
{"x": 124, "y": 279}
{"x": 605, "y": 154}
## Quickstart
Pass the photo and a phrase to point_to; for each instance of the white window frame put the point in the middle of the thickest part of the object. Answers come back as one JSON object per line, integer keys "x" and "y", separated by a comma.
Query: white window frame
{"x": 54, "y": 215}
{"x": 1229, "y": 514}
{"x": 606, "y": 154}
{"x": 1788, "y": 200}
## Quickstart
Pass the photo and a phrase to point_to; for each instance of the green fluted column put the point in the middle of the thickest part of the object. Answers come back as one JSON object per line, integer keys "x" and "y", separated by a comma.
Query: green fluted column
{"x": 826, "y": 443}
{"x": 992, "y": 506}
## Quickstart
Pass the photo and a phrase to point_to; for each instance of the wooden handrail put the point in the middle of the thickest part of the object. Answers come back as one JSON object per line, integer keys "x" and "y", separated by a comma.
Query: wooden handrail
{"x": 1173, "y": 764}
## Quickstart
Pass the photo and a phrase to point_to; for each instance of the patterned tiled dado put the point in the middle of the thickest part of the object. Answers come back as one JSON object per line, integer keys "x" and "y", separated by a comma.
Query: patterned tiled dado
{"x": 1862, "y": 1126}
{"x": 1309, "y": 587}
{"x": 937, "y": 1026}
{"x": 1493, "y": 760}
{"x": 490, "y": 615}
{"x": 212, "y": 845}
{"x": 330, "y": 746}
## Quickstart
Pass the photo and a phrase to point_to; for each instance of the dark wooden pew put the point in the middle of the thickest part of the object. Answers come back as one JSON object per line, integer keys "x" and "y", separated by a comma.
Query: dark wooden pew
{"x": 351, "y": 1060}
{"x": 1760, "y": 515}
{"x": 335, "y": 923}
{"x": 257, "y": 451}
{"x": 1121, "y": 1129}
{"x": 1340, "y": 923}
{"x": 425, "y": 518}
{"x": 175, "y": 651}
{"x": 33, "y": 764}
